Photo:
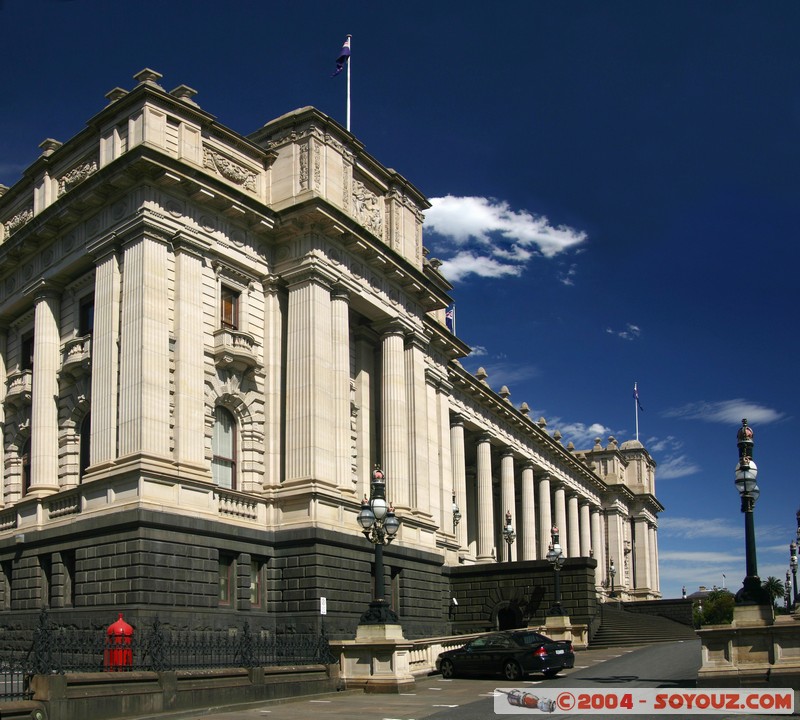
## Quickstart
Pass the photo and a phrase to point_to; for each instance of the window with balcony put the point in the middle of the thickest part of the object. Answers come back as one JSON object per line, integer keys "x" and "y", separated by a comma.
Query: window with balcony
{"x": 223, "y": 449}
{"x": 86, "y": 316}
{"x": 229, "y": 308}
{"x": 26, "y": 352}
{"x": 226, "y": 585}
{"x": 25, "y": 458}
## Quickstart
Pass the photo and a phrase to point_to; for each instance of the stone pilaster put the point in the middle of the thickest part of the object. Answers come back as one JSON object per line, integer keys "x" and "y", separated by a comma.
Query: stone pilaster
{"x": 44, "y": 410}
{"x": 441, "y": 484}
{"x": 616, "y": 552}
{"x": 395, "y": 457}
{"x": 459, "y": 476}
{"x": 545, "y": 514}
{"x": 585, "y": 528}
{"x": 655, "y": 580}
{"x": 485, "y": 504}
{"x": 508, "y": 501}
{"x": 3, "y": 378}
{"x": 189, "y": 356}
{"x": 144, "y": 385}
{"x": 105, "y": 359}
{"x": 526, "y": 530}
{"x": 309, "y": 385}
{"x": 573, "y": 535}
{"x": 340, "y": 337}
{"x": 273, "y": 374}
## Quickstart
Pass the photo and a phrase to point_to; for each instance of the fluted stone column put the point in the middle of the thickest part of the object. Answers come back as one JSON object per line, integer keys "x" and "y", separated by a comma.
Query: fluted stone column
{"x": 641, "y": 549}
{"x": 472, "y": 514}
{"x": 485, "y": 504}
{"x": 44, "y": 410}
{"x": 598, "y": 545}
{"x": 273, "y": 373}
{"x": 508, "y": 501}
{"x": 459, "y": 476}
{"x": 615, "y": 544}
{"x": 654, "y": 575}
{"x": 309, "y": 381}
{"x": 105, "y": 359}
{"x": 440, "y": 487}
{"x": 3, "y": 389}
{"x": 559, "y": 500}
{"x": 573, "y": 535}
{"x": 418, "y": 437}
{"x": 189, "y": 356}
{"x": 340, "y": 372}
{"x": 585, "y": 529}
{"x": 144, "y": 384}
{"x": 394, "y": 409}
{"x": 545, "y": 514}
{"x": 367, "y": 451}
{"x": 526, "y": 531}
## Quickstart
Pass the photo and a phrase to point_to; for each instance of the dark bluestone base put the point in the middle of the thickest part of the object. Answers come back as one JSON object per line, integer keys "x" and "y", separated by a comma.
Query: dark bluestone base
{"x": 379, "y": 613}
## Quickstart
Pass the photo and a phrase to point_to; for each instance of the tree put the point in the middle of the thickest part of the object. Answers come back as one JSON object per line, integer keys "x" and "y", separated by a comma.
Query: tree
{"x": 774, "y": 588}
{"x": 717, "y": 608}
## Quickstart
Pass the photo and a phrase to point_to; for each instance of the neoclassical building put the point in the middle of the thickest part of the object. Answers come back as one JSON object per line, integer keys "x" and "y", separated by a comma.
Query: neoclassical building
{"x": 207, "y": 342}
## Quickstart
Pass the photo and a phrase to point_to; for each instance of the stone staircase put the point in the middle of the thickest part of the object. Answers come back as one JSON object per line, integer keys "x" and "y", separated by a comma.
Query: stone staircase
{"x": 619, "y": 628}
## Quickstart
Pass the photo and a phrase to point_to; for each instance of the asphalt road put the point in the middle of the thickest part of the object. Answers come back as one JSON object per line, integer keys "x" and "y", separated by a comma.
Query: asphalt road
{"x": 663, "y": 665}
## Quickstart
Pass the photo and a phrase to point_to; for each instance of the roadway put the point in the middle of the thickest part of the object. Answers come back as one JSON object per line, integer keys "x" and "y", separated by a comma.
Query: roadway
{"x": 662, "y": 665}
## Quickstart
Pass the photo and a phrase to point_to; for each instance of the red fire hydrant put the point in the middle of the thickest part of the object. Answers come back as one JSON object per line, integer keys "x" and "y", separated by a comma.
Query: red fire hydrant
{"x": 118, "y": 654}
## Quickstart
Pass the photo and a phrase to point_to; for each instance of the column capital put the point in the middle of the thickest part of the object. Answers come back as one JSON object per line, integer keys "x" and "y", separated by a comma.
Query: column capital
{"x": 506, "y": 451}
{"x": 485, "y": 437}
{"x": 388, "y": 328}
{"x": 340, "y": 292}
{"x": 456, "y": 419}
{"x": 307, "y": 274}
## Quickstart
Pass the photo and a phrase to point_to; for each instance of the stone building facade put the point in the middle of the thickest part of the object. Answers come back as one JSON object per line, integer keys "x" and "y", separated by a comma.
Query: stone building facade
{"x": 208, "y": 340}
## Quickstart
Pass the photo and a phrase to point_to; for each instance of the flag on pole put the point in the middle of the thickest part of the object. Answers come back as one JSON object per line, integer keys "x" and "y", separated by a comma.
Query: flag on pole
{"x": 344, "y": 56}
{"x": 450, "y": 318}
{"x": 636, "y": 397}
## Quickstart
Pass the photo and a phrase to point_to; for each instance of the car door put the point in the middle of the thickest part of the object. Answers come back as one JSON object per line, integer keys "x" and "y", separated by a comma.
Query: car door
{"x": 474, "y": 657}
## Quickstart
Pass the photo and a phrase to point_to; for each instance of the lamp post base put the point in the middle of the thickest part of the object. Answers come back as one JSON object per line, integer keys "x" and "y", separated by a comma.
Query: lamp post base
{"x": 752, "y": 592}
{"x": 379, "y": 613}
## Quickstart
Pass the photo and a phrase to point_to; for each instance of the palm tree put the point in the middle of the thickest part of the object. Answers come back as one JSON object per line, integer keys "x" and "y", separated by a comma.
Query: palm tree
{"x": 774, "y": 588}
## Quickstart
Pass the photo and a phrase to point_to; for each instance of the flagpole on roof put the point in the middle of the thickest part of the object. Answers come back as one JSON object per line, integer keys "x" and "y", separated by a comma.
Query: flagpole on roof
{"x": 349, "y": 60}
{"x": 636, "y": 407}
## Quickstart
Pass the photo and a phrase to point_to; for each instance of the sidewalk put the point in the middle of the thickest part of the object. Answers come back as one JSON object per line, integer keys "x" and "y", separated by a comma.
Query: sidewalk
{"x": 430, "y": 695}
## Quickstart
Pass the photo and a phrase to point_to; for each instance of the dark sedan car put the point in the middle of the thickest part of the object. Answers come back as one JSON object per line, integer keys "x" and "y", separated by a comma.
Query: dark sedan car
{"x": 513, "y": 654}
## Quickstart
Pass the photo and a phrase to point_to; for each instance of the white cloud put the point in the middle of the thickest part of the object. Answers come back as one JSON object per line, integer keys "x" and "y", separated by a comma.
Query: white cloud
{"x": 694, "y": 528}
{"x": 726, "y": 411}
{"x": 631, "y": 332}
{"x": 675, "y": 466}
{"x": 581, "y": 434}
{"x": 489, "y": 239}
{"x": 478, "y": 351}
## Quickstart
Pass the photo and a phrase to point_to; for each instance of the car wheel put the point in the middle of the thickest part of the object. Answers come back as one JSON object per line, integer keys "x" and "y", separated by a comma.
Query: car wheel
{"x": 512, "y": 670}
{"x": 552, "y": 672}
{"x": 447, "y": 669}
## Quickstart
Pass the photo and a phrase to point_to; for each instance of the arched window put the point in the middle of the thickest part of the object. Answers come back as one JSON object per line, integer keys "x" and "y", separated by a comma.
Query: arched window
{"x": 223, "y": 449}
{"x": 26, "y": 467}
{"x": 86, "y": 435}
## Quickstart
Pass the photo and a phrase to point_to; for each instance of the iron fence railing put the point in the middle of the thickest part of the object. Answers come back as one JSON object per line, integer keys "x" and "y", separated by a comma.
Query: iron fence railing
{"x": 58, "y": 649}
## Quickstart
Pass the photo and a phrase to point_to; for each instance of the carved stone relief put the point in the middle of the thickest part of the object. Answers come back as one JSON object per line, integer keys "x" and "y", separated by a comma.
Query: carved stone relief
{"x": 366, "y": 208}
{"x": 78, "y": 174}
{"x": 229, "y": 169}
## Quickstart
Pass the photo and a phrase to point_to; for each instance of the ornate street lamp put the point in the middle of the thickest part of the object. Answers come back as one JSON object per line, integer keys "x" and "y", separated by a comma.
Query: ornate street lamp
{"x": 793, "y": 565}
{"x": 456, "y": 513}
{"x": 751, "y": 591}
{"x": 787, "y": 592}
{"x": 612, "y": 571}
{"x": 555, "y": 556}
{"x": 508, "y": 533}
{"x": 379, "y": 525}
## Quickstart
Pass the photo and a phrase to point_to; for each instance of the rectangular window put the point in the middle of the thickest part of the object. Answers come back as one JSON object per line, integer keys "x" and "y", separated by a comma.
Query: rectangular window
{"x": 26, "y": 352}
{"x": 394, "y": 600}
{"x": 223, "y": 449}
{"x": 46, "y": 565}
{"x": 256, "y": 573}
{"x": 229, "y": 308}
{"x": 86, "y": 316}
{"x": 7, "y": 568}
{"x": 226, "y": 586}
{"x": 68, "y": 561}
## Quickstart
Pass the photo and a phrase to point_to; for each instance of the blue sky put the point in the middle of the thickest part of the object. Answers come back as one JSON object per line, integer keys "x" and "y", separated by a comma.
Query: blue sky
{"x": 615, "y": 190}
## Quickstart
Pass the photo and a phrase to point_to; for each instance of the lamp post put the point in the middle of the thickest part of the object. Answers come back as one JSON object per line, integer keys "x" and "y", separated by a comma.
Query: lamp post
{"x": 456, "y": 513}
{"x": 508, "y": 533}
{"x": 787, "y": 592}
{"x": 555, "y": 556}
{"x": 793, "y": 565}
{"x": 379, "y": 525}
{"x": 751, "y": 591}
{"x": 612, "y": 571}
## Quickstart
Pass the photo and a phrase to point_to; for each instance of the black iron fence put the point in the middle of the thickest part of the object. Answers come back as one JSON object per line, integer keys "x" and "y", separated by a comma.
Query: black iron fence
{"x": 58, "y": 649}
